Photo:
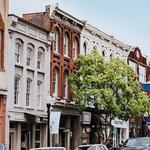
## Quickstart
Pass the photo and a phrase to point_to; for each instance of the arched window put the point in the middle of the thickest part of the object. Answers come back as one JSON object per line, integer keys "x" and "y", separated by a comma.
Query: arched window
{"x": 39, "y": 94}
{"x": 103, "y": 53}
{"x": 16, "y": 90}
{"x": 95, "y": 47}
{"x": 65, "y": 85}
{"x": 85, "y": 48}
{"x": 28, "y": 91}
{"x": 55, "y": 82}
{"x": 66, "y": 44}
{"x": 18, "y": 50}
{"x": 40, "y": 58}
{"x": 1, "y": 43}
{"x": 56, "y": 40}
{"x": 30, "y": 51}
{"x": 75, "y": 48}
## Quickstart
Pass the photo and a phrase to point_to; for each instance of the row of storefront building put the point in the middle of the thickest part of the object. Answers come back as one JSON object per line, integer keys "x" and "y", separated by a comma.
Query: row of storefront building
{"x": 36, "y": 55}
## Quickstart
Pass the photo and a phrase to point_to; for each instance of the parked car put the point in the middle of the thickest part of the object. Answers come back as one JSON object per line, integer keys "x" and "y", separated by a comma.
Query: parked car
{"x": 140, "y": 143}
{"x": 92, "y": 147}
{"x": 49, "y": 148}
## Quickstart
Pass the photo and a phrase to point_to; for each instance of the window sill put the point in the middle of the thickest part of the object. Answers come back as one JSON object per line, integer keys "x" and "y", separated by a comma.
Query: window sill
{"x": 18, "y": 65}
{"x": 29, "y": 68}
{"x": 29, "y": 108}
{"x": 40, "y": 109}
{"x": 18, "y": 107}
{"x": 2, "y": 70}
{"x": 40, "y": 71}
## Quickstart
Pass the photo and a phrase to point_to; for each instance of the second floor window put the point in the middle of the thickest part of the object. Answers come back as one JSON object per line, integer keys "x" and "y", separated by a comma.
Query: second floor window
{"x": 142, "y": 74}
{"x": 66, "y": 44}
{"x": 84, "y": 48}
{"x": 1, "y": 49}
{"x": 75, "y": 48}
{"x": 56, "y": 40}
{"x": 28, "y": 92}
{"x": 133, "y": 65}
{"x": 29, "y": 56}
{"x": 18, "y": 50}
{"x": 16, "y": 90}
{"x": 39, "y": 61}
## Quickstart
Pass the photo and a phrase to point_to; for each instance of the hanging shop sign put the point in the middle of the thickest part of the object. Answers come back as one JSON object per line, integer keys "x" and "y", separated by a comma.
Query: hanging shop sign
{"x": 119, "y": 123}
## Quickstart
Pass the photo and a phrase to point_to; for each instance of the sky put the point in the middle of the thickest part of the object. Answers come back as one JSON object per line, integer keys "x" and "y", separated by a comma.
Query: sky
{"x": 127, "y": 20}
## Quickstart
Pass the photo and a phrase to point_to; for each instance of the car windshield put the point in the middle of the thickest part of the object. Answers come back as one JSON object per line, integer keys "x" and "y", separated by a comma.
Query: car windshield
{"x": 137, "y": 142}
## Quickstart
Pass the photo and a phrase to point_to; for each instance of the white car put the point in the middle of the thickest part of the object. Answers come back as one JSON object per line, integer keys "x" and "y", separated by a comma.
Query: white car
{"x": 49, "y": 148}
{"x": 92, "y": 147}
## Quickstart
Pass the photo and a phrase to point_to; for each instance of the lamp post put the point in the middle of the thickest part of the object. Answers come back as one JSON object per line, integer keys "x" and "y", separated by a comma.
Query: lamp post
{"x": 48, "y": 123}
{"x": 49, "y": 103}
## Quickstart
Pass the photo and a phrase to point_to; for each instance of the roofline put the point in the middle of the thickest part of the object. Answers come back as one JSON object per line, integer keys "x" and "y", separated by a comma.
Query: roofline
{"x": 28, "y": 22}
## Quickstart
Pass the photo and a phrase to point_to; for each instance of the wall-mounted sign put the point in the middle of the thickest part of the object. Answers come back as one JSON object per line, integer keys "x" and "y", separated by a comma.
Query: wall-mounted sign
{"x": 119, "y": 123}
{"x": 86, "y": 117}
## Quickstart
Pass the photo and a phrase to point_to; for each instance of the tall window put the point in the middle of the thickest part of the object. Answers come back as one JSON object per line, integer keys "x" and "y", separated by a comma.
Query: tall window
{"x": 56, "y": 40}
{"x": 40, "y": 58}
{"x": 65, "y": 85}
{"x": 142, "y": 74}
{"x": 16, "y": 90}
{"x": 55, "y": 82}
{"x": 28, "y": 92}
{"x": 103, "y": 53}
{"x": 66, "y": 44}
{"x": 18, "y": 50}
{"x": 1, "y": 50}
{"x": 39, "y": 86}
{"x": 29, "y": 55}
{"x": 133, "y": 65}
{"x": 85, "y": 48}
{"x": 75, "y": 48}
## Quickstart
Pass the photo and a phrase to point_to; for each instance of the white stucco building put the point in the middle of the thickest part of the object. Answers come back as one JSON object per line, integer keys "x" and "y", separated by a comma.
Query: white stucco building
{"x": 28, "y": 84}
{"x": 107, "y": 46}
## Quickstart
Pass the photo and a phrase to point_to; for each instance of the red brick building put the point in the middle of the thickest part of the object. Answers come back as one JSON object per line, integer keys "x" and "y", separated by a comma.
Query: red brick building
{"x": 141, "y": 67}
{"x": 65, "y": 47}
{"x": 3, "y": 59}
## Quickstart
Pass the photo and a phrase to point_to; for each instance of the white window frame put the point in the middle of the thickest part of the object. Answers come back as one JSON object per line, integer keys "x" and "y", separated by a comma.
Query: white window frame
{"x": 85, "y": 48}
{"x": 65, "y": 85}
{"x": 56, "y": 40}
{"x": 133, "y": 65}
{"x": 16, "y": 90}
{"x": 18, "y": 52}
{"x": 28, "y": 92}
{"x": 39, "y": 94}
{"x": 142, "y": 74}
{"x": 39, "y": 60}
{"x": 75, "y": 48}
{"x": 55, "y": 82}
{"x": 29, "y": 56}
{"x": 66, "y": 45}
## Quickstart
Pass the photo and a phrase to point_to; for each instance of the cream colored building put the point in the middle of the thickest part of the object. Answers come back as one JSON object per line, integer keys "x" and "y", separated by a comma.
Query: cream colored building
{"x": 28, "y": 84}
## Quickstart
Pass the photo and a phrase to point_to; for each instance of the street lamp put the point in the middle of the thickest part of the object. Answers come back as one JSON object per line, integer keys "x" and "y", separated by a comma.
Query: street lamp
{"x": 48, "y": 104}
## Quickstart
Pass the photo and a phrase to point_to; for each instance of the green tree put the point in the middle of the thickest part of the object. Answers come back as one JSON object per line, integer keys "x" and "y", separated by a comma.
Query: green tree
{"x": 108, "y": 86}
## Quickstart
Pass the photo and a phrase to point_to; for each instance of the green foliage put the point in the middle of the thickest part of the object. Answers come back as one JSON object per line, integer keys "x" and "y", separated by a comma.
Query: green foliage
{"x": 111, "y": 86}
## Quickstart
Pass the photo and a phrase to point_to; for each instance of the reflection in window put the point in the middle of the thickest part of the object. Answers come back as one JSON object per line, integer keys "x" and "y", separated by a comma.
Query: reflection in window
{"x": 133, "y": 65}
